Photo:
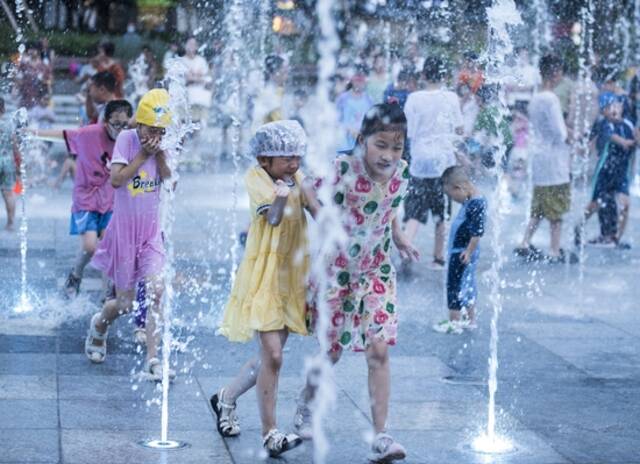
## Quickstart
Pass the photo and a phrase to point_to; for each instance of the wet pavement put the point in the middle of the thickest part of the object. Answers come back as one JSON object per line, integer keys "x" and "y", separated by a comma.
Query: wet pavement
{"x": 568, "y": 377}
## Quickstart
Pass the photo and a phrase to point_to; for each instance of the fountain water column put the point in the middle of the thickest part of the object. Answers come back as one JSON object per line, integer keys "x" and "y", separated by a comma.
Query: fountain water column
{"x": 582, "y": 122}
{"x": 501, "y": 15}
{"x": 235, "y": 23}
{"x": 21, "y": 121}
{"x": 180, "y": 128}
{"x": 326, "y": 232}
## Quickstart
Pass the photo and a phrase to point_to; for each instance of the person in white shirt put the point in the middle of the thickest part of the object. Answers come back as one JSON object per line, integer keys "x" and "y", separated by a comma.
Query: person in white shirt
{"x": 525, "y": 79}
{"x": 434, "y": 126}
{"x": 198, "y": 79}
{"x": 550, "y": 163}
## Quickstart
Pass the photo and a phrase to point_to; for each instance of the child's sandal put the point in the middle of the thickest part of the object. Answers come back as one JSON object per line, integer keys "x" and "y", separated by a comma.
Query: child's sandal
{"x": 226, "y": 419}
{"x": 153, "y": 371}
{"x": 95, "y": 353}
{"x": 275, "y": 442}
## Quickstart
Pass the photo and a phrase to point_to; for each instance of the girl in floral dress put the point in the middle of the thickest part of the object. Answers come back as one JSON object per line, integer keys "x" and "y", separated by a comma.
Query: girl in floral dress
{"x": 369, "y": 186}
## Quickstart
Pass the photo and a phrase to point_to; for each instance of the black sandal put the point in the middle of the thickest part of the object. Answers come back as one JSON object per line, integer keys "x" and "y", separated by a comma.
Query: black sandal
{"x": 227, "y": 424}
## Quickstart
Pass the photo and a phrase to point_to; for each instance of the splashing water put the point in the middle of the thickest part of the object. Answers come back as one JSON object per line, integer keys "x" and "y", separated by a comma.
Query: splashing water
{"x": 21, "y": 120}
{"x": 326, "y": 233}
{"x": 583, "y": 123}
{"x": 172, "y": 142}
{"x": 502, "y": 15}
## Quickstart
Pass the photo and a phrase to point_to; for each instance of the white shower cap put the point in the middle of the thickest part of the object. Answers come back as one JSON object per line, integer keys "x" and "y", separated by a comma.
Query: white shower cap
{"x": 279, "y": 138}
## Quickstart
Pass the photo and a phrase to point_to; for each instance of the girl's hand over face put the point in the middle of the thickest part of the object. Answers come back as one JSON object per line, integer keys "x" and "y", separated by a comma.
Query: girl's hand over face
{"x": 281, "y": 188}
{"x": 151, "y": 145}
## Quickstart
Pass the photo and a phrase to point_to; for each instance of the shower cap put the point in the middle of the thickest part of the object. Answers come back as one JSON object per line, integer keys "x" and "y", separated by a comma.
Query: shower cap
{"x": 279, "y": 138}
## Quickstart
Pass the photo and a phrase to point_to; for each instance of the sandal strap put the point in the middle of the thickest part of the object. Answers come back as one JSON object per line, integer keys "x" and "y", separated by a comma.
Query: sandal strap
{"x": 93, "y": 333}
{"x": 224, "y": 405}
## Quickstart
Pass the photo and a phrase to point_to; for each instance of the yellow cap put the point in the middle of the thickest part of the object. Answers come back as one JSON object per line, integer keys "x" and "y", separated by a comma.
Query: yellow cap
{"x": 153, "y": 109}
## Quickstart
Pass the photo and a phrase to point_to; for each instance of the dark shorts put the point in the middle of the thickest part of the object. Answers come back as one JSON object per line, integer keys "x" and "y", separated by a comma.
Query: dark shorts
{"x": 607, "y": 184}
{"x": 424, "y": 195}
{"x": 461, "y": 283}
{"x": 84, "y": 221}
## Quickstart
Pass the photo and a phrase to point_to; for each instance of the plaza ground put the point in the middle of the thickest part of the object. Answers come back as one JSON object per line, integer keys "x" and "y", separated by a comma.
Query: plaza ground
{"x": 568, "y": 376}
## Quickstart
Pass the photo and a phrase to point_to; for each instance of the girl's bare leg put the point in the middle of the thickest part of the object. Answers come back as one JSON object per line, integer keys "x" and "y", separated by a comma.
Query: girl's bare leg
{"x": 243, "y": 381}
{"x": 10, "y": 205}
{"x": 88, "y": 244}
{"x": 111, "y": 310}
{"x": 379, "y": 383}
{"x": 153, "y": 326}
{"x": 271, "y": 346}
{"x": 308, "y": 392}
{"x": 438, "y": 247}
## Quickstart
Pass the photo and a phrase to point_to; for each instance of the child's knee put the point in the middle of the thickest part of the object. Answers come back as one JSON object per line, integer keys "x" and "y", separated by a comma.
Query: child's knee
{"x": 272, "y": 356}
{"x": 377, "y": 355}
{"x": 334, "y": 355}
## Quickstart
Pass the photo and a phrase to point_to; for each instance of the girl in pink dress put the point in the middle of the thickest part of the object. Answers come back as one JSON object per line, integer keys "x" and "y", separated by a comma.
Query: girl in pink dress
{"x": 132, "y": 249}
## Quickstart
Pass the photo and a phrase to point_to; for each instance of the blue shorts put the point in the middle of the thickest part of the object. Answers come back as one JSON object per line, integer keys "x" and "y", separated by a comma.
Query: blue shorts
{"x": 607, "y": 184}
{"x": 84, "y": 221}
{"x": 461, "y": 283}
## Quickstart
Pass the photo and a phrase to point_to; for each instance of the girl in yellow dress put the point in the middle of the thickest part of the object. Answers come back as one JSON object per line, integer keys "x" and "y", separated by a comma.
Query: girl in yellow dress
{"x": 268, "y": 298}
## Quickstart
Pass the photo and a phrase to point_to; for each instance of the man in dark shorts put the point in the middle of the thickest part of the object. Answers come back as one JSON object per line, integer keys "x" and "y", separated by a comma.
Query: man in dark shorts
{"x": 435, "y": 125}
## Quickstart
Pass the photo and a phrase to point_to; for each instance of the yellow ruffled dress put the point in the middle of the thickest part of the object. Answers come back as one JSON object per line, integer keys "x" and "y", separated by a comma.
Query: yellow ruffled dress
{"x": 270, "y": 288}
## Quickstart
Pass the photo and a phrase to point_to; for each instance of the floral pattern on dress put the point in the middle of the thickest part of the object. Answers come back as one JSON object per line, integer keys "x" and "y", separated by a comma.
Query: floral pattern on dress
{"x": 361, "y": 291}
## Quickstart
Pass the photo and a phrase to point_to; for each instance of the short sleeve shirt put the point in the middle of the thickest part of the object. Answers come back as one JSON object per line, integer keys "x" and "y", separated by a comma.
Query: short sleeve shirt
{"x": 92, "y": 190}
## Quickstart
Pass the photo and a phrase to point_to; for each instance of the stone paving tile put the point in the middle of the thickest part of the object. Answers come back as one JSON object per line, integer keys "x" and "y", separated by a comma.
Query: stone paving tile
{"x": 27, "y": 344}
{"x": 28, "y": 414}
{"x": 120, "y": 447}
{"x": 27, "y": 364}
{"x": 20, "y": 446}
{"x": 133, "y": 415}
{"x": 107, "y": 388}
{"x": 28, "y": 387}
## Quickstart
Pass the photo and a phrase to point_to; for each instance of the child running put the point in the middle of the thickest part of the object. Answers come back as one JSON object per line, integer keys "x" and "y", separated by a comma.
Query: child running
{"x": 615, "y": 143}
{"x": 370, "y": 183}
{"x": 132, "y": 248}
{"x": 268, "y": 298}
{"x": 464, "y": 237}
{"x": 92, "y": 203}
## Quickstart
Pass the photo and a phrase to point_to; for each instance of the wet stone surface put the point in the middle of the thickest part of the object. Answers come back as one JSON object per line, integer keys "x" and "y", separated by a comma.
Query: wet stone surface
{"x": 569, "y": 373}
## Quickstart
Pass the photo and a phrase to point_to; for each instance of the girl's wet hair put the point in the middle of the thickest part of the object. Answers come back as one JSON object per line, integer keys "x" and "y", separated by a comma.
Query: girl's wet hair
{"x": 384, "y": 117}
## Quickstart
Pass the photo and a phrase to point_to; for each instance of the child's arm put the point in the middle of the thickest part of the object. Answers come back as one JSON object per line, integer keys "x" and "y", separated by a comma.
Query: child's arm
{"x": 311, "y": 197}
{"x": 624, "y": 143}
{"x": 276, "y": 210}
{"x": 465, "y": 256}
{"x": 163, "y": 167}
{"x": 52, "y": 133}
{"x": 405, "y": 248}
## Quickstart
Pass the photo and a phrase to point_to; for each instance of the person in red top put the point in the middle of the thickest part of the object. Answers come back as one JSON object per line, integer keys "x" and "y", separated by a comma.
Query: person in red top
{"x": 106, "y": 62}
{"x": 93, "y": 193}
{"x": 102, "y": 89}
{"x": 471, "y": 73}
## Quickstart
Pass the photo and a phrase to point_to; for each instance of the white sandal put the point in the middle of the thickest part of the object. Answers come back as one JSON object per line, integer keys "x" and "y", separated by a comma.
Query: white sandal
{"x": 227, "y": 421}
{"x": 153, "y": 371}
{"x": 275, "y": 442}
{"x": 140, "y": 336}
{"x": 95, "y": 353}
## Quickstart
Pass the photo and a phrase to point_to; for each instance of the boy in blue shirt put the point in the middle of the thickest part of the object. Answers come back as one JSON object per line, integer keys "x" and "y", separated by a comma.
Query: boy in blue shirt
{"x": 464, "y": 237}
{"x": 615, "y": 141}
